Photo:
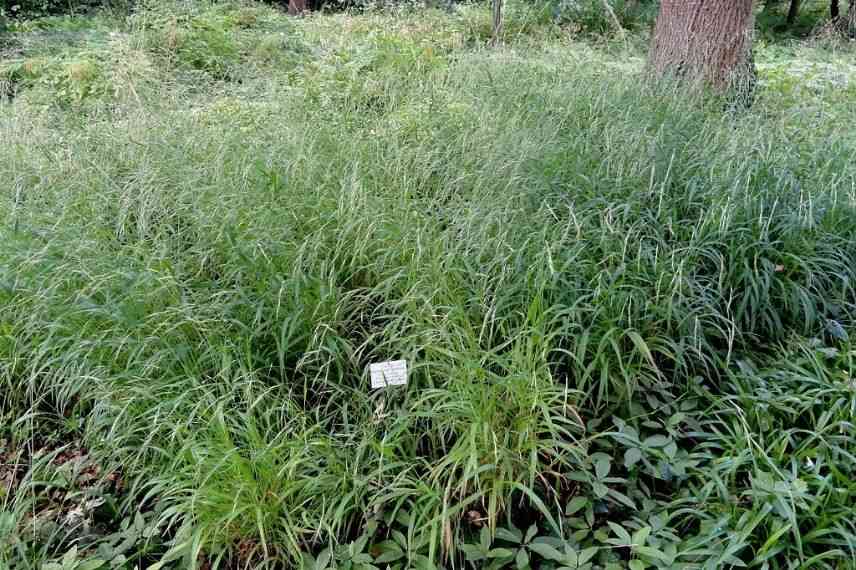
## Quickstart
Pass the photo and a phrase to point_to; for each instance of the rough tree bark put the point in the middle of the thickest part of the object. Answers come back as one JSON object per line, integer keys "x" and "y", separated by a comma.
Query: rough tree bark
{"x": 851, "y": 18}
{"x": 846, "y": 25}
{"x": 496, "y": 7}
{"x": 296, "y": 7}
{"x": 709, "y": 41}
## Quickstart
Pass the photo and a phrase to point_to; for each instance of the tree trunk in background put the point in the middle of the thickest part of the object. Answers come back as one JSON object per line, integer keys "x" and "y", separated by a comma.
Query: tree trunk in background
{"x": 851, "y": 18}
{"x": 705, "y": 40}
{"x": 793, "y": 11}
{"x": 613, "y": 17}
{"x": 497, "y": 21}
{"x": 834, "y": 10}
{"x": 296, "y": 7}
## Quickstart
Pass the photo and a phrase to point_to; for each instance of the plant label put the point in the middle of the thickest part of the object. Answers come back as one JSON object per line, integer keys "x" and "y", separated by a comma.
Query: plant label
{"x": 390, "y": 373}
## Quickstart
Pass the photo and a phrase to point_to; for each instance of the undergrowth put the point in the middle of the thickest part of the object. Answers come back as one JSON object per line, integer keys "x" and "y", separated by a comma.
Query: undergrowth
{"x": 627, "y": 311}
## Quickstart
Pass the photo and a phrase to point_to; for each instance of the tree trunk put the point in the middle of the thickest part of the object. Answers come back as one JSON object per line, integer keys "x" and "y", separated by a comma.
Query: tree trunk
{"x": 793, "y": 11}
{"x": 296, "y": 7}
{"x": 851, "y": 18}
{"x": 834, "y": 10}
{"x": 705, "y": 40}
{"x": 613, "y": 17}
{"x": 497, "y": 21}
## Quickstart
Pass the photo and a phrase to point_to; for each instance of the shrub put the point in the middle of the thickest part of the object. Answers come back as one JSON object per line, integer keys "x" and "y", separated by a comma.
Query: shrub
{"x": 591, "y": 16}
{"x": 24, "y": 9}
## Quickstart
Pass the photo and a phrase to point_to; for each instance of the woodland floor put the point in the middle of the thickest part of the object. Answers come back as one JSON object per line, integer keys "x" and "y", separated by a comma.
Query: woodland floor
{"x": 627, "y": 309}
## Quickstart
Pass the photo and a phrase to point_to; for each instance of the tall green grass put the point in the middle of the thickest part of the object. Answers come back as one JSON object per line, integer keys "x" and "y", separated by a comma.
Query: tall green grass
{"x": 626, "y": 310}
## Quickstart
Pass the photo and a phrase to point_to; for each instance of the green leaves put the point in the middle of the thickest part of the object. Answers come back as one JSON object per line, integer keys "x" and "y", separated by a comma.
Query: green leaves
{"x": 656, "y": 441}
{"x": 389, "y": 551}
{"x": 355, "y": 556}
{"x": 522, "y": 546}
{"x": 521, "y": 559}
{"x": 623, "y": 536}
{"x": 602, "y": 466}
{"x": 546, "y": 551}
{"x": 321, "y": 562}
{"x": 483, "y": 551}
{"x": 630, "y": 315}
{"x": 632, "y": 456}
{"x": 575, "y": 505}
{"x": 70, "y": 561}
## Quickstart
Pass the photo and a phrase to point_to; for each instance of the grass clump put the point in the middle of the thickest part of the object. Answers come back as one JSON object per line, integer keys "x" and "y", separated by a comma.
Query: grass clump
{"x": 627, "y": 313}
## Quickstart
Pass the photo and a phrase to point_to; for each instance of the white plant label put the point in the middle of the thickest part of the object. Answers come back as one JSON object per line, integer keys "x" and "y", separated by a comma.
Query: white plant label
{"x": 390, "y": 373}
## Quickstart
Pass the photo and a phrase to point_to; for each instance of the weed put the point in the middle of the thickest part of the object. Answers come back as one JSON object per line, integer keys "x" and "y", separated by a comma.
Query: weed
{"x": 627, "y": 313}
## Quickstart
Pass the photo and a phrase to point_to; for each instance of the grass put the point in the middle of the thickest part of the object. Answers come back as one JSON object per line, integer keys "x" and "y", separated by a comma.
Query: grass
{"x": 627, "y": 312}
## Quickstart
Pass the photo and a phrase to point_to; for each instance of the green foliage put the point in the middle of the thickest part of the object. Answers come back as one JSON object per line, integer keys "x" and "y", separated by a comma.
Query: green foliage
{"x": 23, "y": 9}
{"x": 627, "y": 311}
{"x": 772, "y": 20}
{"x": 590, "y": 16}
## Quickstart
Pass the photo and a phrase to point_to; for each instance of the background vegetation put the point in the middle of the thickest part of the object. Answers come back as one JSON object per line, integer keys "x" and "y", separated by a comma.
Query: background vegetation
{"x": 628, "y": 310}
